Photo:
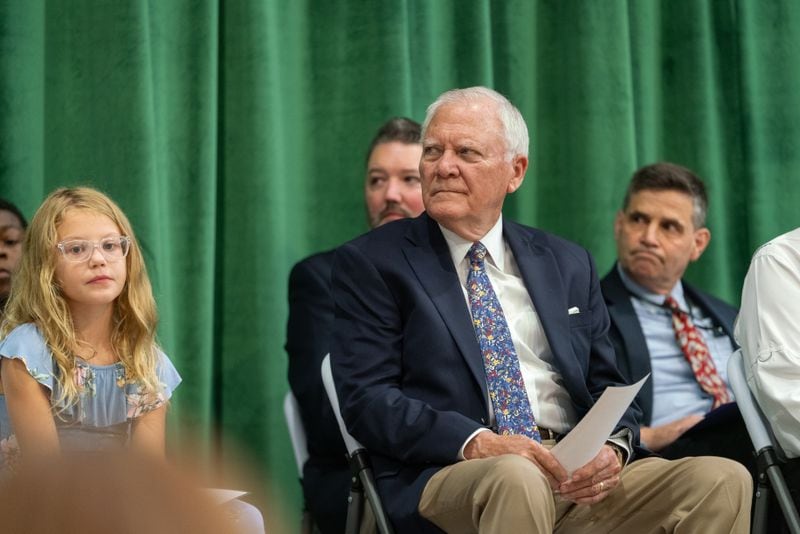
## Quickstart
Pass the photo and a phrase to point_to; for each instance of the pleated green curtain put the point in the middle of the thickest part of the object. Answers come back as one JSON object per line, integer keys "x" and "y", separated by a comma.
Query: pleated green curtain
{"x": 233, "y": 135}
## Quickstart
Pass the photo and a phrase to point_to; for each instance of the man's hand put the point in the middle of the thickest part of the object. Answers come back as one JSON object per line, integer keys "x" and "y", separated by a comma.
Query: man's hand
{"x": 594, "y": 481}
{"x": 656, "y": 438}
{"x": 488, "y": 444}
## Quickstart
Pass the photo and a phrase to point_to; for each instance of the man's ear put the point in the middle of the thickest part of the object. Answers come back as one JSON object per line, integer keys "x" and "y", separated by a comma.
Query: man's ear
{"x": 701, "y": 239}
{"x": 520, "y": 165}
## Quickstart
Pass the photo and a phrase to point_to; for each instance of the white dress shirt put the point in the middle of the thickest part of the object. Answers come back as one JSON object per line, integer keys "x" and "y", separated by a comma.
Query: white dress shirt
{"x": 550, "y": 402}
{"x": 768, "y": 330}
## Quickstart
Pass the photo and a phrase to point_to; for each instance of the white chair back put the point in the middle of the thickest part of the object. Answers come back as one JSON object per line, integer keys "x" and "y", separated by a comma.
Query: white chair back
{"x": 754, "y": 418}
{"x": 769, "y": 476}
{"x": 297, "y": 432}
{"x": 350, "y": 442}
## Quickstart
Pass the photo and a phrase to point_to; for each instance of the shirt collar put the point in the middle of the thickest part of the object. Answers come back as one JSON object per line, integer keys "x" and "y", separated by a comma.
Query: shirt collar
{"x": 493, "y": 241}
{"x": 655, "y": 298}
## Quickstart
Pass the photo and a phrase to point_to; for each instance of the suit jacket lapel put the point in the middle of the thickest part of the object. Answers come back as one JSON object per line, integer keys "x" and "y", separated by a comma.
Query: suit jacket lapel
{"x": 429, "y": 257}
{"x": 623, "y": 316}
{"x": 546, "y": 288}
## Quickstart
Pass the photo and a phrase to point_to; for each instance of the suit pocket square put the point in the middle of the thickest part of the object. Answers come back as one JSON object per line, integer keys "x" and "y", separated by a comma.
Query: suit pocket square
{"x": 573, "y": 311}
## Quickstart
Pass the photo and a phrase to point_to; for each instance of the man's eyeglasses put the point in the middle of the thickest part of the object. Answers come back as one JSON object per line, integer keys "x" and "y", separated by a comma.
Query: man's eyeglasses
{"x": 112, "y": 248}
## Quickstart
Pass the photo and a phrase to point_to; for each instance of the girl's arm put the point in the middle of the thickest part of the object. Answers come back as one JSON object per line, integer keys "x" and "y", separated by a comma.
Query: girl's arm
{"x": 29, "y": 409}
{"x": 148, "y": 432}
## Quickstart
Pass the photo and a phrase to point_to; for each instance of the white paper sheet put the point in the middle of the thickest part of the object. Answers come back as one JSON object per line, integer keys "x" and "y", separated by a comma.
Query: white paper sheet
{"x": 585, "y": 440}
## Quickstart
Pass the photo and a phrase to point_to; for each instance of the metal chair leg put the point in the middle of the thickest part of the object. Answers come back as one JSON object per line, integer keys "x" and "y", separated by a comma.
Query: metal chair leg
{"x": 784, "y": 498}
{"x": 355, "y": 507}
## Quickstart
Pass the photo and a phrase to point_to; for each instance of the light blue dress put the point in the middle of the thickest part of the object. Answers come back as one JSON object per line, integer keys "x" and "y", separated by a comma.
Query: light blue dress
{"x": 107, "y": 403}
{"x": 107, "y": 406}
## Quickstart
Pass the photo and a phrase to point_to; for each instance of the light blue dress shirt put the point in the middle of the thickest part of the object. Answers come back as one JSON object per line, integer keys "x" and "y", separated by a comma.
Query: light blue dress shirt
{"x": 676, "y": 392}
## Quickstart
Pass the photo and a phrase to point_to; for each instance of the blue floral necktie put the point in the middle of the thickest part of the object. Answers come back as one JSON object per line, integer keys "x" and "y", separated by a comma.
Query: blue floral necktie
{"x": 512, "y": 408}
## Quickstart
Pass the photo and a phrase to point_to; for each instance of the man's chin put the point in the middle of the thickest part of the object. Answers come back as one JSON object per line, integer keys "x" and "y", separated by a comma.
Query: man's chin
{"x": 649, "y": 278}
{"x": 446, "y": 211}
{"x": 390, "y": 217}
{"x": 644, "y": 267}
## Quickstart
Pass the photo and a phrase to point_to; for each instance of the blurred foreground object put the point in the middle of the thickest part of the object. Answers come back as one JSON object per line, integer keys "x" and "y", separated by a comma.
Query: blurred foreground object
{"x": 102, "y": 493}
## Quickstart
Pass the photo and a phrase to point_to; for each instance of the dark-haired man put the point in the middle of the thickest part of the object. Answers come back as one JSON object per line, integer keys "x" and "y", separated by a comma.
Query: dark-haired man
{"x": 391, "y": 192}
{"x": 664, "y": 326}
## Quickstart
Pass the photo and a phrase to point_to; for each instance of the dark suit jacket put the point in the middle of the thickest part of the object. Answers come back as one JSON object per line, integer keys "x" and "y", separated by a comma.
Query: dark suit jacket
{"x": 633, "y": 358}
{"x": 406, "y": 360}
{"x": 326, "y": 475}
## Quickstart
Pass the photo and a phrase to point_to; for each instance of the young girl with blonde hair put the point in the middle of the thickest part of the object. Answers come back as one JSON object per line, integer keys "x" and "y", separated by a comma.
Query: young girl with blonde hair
{"x": 79, "y": 361}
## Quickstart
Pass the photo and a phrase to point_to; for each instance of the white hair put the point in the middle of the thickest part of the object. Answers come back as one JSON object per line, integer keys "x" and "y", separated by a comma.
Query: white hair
{"x": 515, "y": 132}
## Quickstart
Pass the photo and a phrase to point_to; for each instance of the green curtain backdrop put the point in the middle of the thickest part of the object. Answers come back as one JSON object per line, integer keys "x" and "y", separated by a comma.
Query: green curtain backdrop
{"x": 233, "y": 135}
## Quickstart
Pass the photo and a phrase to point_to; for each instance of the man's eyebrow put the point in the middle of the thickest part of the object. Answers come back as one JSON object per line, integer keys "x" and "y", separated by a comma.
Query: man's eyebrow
{"x": 468, "y": 143}
{"x": 671, "y": 220}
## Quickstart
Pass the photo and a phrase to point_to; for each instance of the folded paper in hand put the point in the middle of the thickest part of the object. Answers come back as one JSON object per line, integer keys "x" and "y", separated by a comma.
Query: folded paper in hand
{"x": 584, "y": 441}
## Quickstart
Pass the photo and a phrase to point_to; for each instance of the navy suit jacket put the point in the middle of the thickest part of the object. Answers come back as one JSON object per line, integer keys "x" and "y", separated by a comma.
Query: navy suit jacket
{"x": 326, "y": 474}
{"x": 308, "y": 335}
{"x": 406, "y": 361}
{"x": 633, "y": 358}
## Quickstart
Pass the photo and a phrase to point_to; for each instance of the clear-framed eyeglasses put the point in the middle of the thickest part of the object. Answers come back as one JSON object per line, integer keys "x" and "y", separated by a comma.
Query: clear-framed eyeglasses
{"x": 112, "y": 248}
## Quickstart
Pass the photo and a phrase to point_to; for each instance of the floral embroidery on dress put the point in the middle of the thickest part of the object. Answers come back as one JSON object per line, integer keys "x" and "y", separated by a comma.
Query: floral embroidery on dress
{"x": 85, "y": 380}
{"x": 120, "y": 376}
{"x": 142, "y": 402}
{"x": 139, "y": 400}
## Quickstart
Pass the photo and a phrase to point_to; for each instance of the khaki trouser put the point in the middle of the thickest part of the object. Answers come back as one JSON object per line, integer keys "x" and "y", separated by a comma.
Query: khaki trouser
{"x": 702, "y": 495}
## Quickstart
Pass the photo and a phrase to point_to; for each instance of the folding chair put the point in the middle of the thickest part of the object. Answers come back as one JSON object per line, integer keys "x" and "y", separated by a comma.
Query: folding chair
{"x": 768, "y": 452}
{"x": 297, "y": 433}
{"x": 363, "y": 482}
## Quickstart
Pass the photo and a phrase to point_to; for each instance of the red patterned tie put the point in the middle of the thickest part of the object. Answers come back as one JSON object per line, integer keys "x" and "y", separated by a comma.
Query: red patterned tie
{"x": 697, "y": 354}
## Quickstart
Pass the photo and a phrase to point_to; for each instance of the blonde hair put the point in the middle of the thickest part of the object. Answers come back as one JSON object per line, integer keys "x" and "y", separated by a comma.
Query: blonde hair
{"x": 36, "y": 297}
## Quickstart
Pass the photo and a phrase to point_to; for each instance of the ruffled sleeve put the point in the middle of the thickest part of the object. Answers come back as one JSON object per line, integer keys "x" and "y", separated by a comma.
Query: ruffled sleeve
{"x": 26, "y": 343}
{"x": 140, "y": 402}
{"x": 167, "y": 375}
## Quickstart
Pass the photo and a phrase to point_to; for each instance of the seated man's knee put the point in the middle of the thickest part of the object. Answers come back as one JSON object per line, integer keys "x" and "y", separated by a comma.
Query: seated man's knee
{"x": 516, "y": 476}
{"x": 711, "y": 472}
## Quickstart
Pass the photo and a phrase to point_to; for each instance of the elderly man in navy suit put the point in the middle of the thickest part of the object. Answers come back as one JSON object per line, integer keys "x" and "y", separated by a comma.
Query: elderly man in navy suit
{"x": 465, "y": 345}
